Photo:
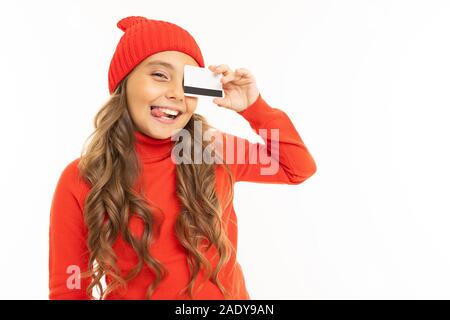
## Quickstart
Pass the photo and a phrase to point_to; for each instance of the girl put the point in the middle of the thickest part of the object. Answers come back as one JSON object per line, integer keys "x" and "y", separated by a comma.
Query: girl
{"x": 157, "y": 228}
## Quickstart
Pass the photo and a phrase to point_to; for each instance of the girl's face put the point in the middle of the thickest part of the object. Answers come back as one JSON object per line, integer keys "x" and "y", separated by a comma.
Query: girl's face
{"x": 158, "y": 81}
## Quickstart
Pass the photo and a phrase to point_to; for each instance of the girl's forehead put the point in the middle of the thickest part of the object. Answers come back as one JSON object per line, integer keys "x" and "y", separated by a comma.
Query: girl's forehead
{"x": 174, "y": 58}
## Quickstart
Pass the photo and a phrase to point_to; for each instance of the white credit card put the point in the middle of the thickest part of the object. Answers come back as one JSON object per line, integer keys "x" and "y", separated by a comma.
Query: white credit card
{"x": 201, "y": 82}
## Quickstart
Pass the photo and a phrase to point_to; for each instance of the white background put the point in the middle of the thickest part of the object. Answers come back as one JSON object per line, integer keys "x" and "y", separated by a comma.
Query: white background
{"x": 366, "y": 84}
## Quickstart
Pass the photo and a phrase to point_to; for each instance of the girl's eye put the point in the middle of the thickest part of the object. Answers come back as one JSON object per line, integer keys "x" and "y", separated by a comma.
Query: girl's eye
{"x": 159, "y": 75}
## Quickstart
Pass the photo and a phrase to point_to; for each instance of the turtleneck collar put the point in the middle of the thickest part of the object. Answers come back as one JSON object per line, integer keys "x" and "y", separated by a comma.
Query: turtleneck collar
{"x": 152, "y": 149}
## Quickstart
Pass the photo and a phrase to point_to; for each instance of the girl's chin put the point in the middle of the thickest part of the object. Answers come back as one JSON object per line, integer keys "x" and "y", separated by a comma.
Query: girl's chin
{"x": 164, "y": 131}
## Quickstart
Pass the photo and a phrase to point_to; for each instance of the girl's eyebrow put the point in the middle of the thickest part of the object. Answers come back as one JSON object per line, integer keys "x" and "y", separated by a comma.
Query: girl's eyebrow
{"x": 160, "y": 62}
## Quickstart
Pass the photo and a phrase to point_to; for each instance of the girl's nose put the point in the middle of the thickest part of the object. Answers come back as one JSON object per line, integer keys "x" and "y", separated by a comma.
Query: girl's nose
{"x": 177, "y": 90}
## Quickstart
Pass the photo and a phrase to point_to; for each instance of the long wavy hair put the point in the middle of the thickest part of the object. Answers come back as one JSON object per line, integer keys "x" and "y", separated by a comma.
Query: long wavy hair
{"x": 110, "y": 165}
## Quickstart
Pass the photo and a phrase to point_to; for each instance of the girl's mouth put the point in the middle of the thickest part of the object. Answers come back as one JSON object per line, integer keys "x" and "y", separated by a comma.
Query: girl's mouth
{"x": 164, "y": 115}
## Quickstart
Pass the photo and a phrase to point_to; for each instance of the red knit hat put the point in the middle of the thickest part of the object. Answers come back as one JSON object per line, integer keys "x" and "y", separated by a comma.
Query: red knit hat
{"x": 144, "y": 37}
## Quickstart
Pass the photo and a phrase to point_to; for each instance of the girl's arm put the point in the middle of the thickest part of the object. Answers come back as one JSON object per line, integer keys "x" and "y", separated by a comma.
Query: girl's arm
{"x": 68, "y": 253}
{"x": 284, "y": 157}
{"x": 289, "y": 162}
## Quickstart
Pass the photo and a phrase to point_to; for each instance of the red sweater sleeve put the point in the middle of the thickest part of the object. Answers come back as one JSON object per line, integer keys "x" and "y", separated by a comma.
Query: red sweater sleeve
{"x": 289, "y": 162}
{"x": 68, "y": 252}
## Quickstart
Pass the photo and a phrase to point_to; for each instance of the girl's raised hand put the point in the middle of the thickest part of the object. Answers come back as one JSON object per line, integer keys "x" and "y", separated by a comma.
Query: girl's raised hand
{"x": 239, "y": 87}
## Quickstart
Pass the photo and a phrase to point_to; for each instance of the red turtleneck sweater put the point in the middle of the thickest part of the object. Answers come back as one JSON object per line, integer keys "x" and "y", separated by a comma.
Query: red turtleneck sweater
{"x": 68, "y": 232}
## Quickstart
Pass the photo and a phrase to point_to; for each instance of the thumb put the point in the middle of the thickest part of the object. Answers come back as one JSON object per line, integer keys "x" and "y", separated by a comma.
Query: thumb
{"x": 221, "y": 102}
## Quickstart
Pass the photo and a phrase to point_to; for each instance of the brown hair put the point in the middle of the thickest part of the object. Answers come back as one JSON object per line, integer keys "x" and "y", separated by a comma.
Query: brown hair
{"x": 111, "y": 166}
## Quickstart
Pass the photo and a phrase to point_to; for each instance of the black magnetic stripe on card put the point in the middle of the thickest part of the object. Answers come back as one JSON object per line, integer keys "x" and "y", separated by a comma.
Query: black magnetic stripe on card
{"x": 203, "y": 92}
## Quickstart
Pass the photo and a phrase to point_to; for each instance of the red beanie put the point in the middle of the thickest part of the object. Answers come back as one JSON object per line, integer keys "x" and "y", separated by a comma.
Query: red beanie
{"x": 144, "y": 37}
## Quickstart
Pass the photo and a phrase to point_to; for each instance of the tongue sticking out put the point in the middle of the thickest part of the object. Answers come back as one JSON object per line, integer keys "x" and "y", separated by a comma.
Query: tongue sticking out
{"x": 157, "y": 113}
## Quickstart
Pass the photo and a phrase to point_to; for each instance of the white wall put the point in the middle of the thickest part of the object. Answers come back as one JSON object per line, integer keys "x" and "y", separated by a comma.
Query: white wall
{"x": 365, "y": 82}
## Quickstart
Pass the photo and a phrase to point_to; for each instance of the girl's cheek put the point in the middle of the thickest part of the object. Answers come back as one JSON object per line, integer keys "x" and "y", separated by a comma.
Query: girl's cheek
{"x": 191, "y": 107}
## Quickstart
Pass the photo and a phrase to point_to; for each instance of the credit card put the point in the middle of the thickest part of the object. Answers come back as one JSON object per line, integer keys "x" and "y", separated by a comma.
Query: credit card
{"x": 201, "y": 82}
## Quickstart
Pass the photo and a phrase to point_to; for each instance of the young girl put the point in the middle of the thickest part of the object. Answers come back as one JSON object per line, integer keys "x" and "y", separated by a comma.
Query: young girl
{"x": 157, "y": 228}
